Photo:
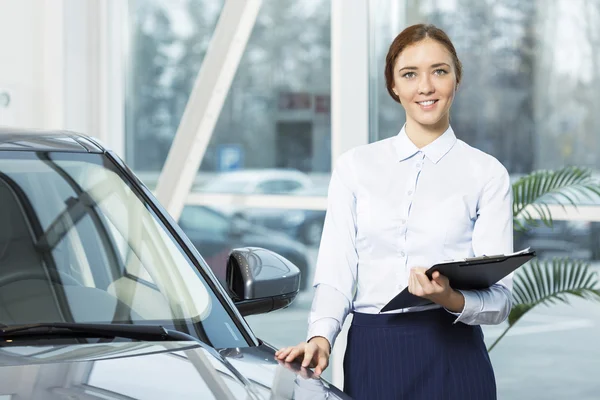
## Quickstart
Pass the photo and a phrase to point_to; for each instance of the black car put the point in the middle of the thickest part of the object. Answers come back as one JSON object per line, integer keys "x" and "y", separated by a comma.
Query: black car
{"x": 103, "y": 296}
{"x": 215, "y": 234}
{"x": 303, "y": 225}
{"x": 572, "y": 239}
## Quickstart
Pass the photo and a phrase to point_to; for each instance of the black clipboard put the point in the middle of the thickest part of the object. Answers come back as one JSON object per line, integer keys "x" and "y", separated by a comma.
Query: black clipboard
{"x": 468, "y": 274}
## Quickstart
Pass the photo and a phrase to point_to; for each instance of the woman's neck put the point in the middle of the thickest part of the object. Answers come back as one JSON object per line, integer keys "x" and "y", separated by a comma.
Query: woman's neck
{"x": 422, "y": 135}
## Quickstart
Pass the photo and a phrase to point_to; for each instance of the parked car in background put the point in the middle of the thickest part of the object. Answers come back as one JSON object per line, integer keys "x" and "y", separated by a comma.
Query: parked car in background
{"x": 258, "y": 181}
{"x": 215, "y": 234}
{"x": 572, "y": 239}
{"x": 103, "y": 296}
{"x": 303, "y": 225}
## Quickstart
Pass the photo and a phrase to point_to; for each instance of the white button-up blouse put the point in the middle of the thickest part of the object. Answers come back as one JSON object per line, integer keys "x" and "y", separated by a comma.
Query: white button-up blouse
{"x": 393, "y": 206}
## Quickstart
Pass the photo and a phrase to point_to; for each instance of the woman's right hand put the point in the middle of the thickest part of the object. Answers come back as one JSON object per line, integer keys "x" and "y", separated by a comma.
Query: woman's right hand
{"x": 315, "y": 354}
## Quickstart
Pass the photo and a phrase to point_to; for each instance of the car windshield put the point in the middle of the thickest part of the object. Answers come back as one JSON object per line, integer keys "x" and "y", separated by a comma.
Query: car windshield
{"x": 79, "y": 244}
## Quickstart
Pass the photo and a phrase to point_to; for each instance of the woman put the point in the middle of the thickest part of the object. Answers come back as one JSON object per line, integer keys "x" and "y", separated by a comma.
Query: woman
{"x": 396, "y": 207}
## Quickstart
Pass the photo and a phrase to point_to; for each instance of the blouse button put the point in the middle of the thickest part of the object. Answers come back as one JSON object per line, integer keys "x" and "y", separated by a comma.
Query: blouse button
{"x": 409, "y": 192}
{"x": 402, "y": 254}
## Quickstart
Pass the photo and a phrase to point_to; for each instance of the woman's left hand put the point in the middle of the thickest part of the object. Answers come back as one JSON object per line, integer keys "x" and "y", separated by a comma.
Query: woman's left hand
{"x": 437, "y": 289}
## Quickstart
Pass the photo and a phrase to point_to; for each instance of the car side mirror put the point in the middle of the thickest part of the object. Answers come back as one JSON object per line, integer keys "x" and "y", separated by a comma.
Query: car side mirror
{"x": 260, "y": 280}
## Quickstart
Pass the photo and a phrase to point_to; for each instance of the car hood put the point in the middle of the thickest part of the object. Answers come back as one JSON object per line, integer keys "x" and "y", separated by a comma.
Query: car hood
{"x": 154, "y": 370}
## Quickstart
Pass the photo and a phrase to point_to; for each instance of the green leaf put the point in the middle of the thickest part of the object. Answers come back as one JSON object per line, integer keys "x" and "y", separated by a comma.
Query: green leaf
{"x": 548, "y": 282}
{"x": 541, "y": 188}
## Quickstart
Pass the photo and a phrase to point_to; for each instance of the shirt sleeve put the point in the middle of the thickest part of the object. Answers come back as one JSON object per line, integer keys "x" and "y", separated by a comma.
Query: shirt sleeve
{"x": 336, "y": 267}
{"x": 492, "y": 234}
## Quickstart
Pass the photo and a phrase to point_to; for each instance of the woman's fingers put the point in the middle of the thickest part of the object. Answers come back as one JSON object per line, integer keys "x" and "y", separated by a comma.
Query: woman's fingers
{"x": 283, "y": 353}
{"x": 312, "y": 356}
{"x": 309, "y": 352}
{"x": 290, "y": 353}
{"x": 440, "y": 280}
{"x": 424, "y": 282}
{"x": 420, "y": 285}
{"x": 413, "y": 284}
{"x": 322, "y": 364}
{"x": 296, "y": 352}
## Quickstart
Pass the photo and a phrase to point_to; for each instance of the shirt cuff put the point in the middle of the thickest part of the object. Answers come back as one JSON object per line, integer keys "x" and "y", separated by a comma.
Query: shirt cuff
{"x": 471, "y": 307}
{"x": 325, "y": 327}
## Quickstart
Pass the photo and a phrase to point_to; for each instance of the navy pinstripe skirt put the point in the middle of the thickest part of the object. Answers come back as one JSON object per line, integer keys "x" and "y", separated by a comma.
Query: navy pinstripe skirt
{"x": 419, "y": 355}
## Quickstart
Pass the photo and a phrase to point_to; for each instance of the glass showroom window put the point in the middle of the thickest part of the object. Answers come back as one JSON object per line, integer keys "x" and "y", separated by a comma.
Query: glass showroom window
{"x": 277, "y": 112}
{"x": 273, "y": 136}
{"x": 529, "y": 98}
{"x": 530, "y": 76}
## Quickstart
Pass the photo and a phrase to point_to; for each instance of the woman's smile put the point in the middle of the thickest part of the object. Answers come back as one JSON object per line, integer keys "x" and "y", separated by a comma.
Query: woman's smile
{"x": 427, "y": 104}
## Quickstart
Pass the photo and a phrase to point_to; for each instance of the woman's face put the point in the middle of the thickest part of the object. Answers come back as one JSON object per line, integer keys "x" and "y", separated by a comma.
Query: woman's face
{"x": 425, "y": 82}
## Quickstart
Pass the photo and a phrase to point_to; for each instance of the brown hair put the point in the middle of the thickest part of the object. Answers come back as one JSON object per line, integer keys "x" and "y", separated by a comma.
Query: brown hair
{"x": 412, "y": 35}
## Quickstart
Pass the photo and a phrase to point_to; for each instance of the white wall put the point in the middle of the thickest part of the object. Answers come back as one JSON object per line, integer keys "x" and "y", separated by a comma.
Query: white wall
{"x": 21, "y": 62}
{"x": 60, "y": 61}
{"x": 96, "y": 37}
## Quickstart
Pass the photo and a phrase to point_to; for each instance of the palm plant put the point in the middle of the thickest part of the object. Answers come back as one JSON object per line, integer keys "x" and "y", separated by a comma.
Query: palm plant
{"x": 549, "y": 281}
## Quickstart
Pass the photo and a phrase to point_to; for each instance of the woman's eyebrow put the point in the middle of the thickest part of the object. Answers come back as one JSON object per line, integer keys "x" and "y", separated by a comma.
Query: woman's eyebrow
{"x": 432, "y": 66}
{"x": 412, "y": 68}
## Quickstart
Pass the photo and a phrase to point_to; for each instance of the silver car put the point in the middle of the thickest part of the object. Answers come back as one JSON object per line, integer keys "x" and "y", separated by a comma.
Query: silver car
{"x": 102, "y": 296}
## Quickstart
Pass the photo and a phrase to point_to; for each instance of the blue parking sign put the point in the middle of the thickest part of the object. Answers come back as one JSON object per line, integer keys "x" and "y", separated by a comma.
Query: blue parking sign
{"x": 230, "y": 157}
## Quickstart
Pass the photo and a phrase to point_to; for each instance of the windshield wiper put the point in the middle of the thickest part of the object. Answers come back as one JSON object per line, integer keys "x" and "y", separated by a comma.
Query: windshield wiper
{"x": 136, "y": 332}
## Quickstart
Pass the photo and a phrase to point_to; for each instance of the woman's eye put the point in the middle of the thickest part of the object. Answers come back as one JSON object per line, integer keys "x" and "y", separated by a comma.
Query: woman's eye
{"x": 409, "y": 75}
{"x": 440, "y": 72}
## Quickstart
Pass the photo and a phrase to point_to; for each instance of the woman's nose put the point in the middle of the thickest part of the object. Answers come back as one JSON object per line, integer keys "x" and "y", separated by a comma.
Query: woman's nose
{"x": 425, "y": 85}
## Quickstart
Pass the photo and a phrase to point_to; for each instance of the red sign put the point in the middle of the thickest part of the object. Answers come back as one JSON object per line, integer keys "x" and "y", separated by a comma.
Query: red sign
{"x": 294, "y": 101}
{"x": 323, "y": 104}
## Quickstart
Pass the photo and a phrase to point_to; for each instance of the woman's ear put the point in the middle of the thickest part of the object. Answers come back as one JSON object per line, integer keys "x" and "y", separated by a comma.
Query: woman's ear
{"x": 397, "y": 95}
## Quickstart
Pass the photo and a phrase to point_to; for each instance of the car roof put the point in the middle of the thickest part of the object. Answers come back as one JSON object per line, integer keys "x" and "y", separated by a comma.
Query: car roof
{"x": 18, "y": 139}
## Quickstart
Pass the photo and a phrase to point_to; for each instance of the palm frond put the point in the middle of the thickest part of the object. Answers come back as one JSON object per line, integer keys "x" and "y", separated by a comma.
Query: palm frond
{"x": 550, "y": 282}
{"x": 540, "y": 188}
